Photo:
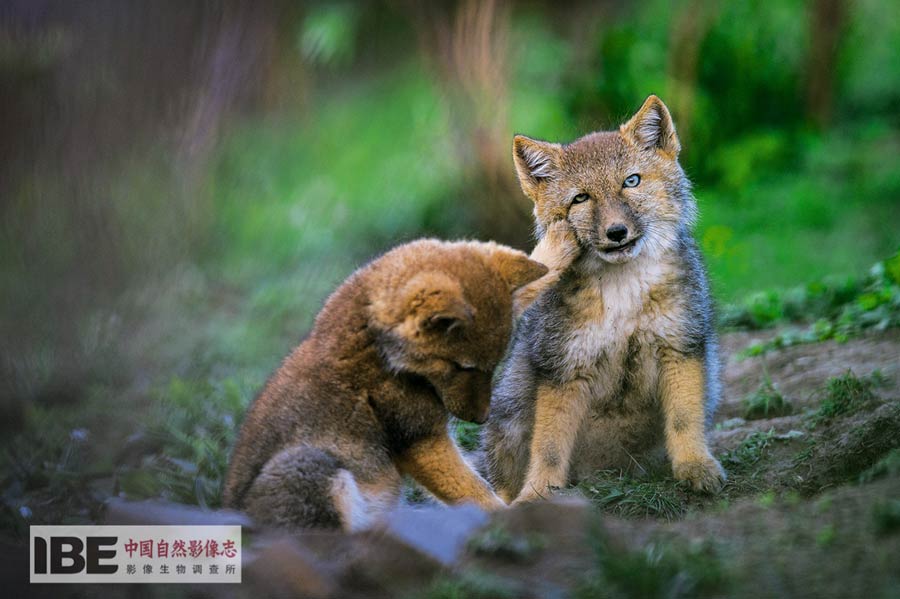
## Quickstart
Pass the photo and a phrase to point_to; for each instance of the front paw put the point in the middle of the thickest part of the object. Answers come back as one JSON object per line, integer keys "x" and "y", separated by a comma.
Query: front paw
{"x": 704, "y": 474}
{"x": 493, "y": 504}
{"x": 530, "y": 494}
{"x": 559, "y": 247}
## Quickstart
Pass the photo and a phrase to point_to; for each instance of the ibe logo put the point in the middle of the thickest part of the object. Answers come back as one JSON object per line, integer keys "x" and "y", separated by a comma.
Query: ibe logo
{"x": 132, "y": 554}
{"x": 82, "y": 555}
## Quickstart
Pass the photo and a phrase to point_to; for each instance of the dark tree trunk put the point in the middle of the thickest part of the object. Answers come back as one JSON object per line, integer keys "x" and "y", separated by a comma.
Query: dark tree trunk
{"x": 826, "y": 28}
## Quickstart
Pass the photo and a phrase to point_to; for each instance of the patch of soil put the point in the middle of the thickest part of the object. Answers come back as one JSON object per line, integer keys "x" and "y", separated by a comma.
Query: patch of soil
{"x": 802, "y": 454}
{"x": 798, "y": 372}
{"x": 830, "y": 547}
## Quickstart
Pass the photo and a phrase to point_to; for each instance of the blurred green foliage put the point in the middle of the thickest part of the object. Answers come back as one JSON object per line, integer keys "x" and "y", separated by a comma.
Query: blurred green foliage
{"x": 328, "y": 34}
{"x": 780, "y": 202}
{"x": 192, "y": 427}
{"x": 832, "y": 308}
{"x": 659, "y": 569}
{"x": 889, "y": 465}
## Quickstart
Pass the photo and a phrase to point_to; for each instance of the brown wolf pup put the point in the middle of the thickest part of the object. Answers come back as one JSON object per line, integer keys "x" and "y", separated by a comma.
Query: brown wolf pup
{"x": 404, "y": 342}
{"x": 619, "y": 356}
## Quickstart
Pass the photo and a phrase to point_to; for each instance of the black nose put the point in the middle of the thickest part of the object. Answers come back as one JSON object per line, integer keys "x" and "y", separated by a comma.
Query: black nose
{"x": 617, "y": 232}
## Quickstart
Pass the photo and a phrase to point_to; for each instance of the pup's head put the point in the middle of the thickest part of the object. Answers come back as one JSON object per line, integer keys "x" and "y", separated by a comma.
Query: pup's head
{"x": 445, "y": 314}
{"x": 622, "y": 191}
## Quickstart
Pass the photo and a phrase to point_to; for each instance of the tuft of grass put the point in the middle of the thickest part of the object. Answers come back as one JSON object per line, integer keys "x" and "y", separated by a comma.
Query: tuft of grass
{"x": 826, "y": 535}
{"x": 766, "y": 402}
{"x": 749, "y": 452}
{"x": 413, "y": 493}
{"x": 657, "y": 570}
{"x": 889, "y": 465}
{"x": 767, "y": 499}
{"x": 498, "y": 541}
{"x": 886, "y": 516}
{"x": 823, "y": 504}
{"x": 623, "y": 495}
{"x": 844, "y": 395}
{"x": 466, "y": 434}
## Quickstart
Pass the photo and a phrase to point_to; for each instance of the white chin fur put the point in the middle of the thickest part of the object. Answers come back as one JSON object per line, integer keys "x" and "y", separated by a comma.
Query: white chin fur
{"x": 623, "y": 256}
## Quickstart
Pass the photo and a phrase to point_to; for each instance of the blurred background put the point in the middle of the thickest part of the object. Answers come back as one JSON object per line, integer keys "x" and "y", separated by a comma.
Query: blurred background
{"x": 182, "y": 184}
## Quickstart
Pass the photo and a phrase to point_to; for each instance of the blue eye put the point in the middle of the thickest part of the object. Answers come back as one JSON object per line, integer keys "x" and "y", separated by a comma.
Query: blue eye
{"x": 632, "y": 180}
{"x": 581, "y": 197}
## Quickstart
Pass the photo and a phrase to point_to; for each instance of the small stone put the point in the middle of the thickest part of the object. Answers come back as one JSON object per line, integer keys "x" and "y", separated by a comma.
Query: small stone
{"x": 733, "y": 423}
{"x": 79, "y": 435}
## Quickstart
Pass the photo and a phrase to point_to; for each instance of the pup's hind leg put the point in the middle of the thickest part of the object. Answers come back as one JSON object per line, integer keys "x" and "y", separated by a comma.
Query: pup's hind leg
{"x": 303, "y": 487}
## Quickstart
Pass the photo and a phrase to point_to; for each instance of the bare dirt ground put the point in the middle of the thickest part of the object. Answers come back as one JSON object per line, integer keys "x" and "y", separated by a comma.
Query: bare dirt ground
{"x": 799, "y": 371}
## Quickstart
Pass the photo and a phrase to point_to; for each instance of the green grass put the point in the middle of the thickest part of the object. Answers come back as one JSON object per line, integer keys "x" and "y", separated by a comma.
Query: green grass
{"x": 746, "y": 455}
{"x": 889, "y": 465}
{"x": 886, "y": 516}
{"x": 659, "y": 569}
{"x": 830, "y": 213}
{"x": 468, "y": 585}
{"x": 766, "y": 402}
{"x": 831, "y": 308}
{"x": 466, "y": 434}
{"x": 844, "y": 395}
{"x": 498, "y": 541}
{"x": 620, "y": 494}
{"x": 192, "y": 427}
{"x": 826, "y": 535}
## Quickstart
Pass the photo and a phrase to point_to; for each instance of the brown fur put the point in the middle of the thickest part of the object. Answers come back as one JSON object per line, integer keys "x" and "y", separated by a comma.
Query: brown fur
{"x": 404, "y": 342}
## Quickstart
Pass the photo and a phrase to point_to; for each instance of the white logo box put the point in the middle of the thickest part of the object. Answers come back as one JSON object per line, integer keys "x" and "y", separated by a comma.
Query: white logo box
{"x": 140, "y": 554}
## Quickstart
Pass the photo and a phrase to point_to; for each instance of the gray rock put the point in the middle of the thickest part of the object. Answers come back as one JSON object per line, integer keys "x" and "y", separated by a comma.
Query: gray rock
{"x": 439, "y": 531}
{"x": 155, "y": 512}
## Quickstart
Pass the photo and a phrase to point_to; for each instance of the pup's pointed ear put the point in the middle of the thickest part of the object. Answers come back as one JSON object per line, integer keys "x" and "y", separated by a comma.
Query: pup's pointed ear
{"x": 651, "y": 128}
{"x": 434, "y": 303}
{"x": 515, "y": 267}
{"x": 536, "y": 161}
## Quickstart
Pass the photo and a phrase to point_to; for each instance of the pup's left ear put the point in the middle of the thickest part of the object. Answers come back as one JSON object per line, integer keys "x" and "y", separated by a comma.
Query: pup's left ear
{"x": 516, "y": 268}
{"x": 651, "y": 128}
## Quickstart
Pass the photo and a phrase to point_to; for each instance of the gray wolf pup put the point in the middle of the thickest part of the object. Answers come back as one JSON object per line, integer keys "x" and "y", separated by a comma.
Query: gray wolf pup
{"x": 619, "y": 357}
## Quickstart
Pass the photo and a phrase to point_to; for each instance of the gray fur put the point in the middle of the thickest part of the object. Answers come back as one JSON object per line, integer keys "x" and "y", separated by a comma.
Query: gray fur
{"x": 624, "y": 428}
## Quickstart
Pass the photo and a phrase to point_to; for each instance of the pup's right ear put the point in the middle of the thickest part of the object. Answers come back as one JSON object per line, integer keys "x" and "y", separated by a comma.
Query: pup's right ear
{"x": 433, "y": 302}
{"x": 536, "y": 161}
